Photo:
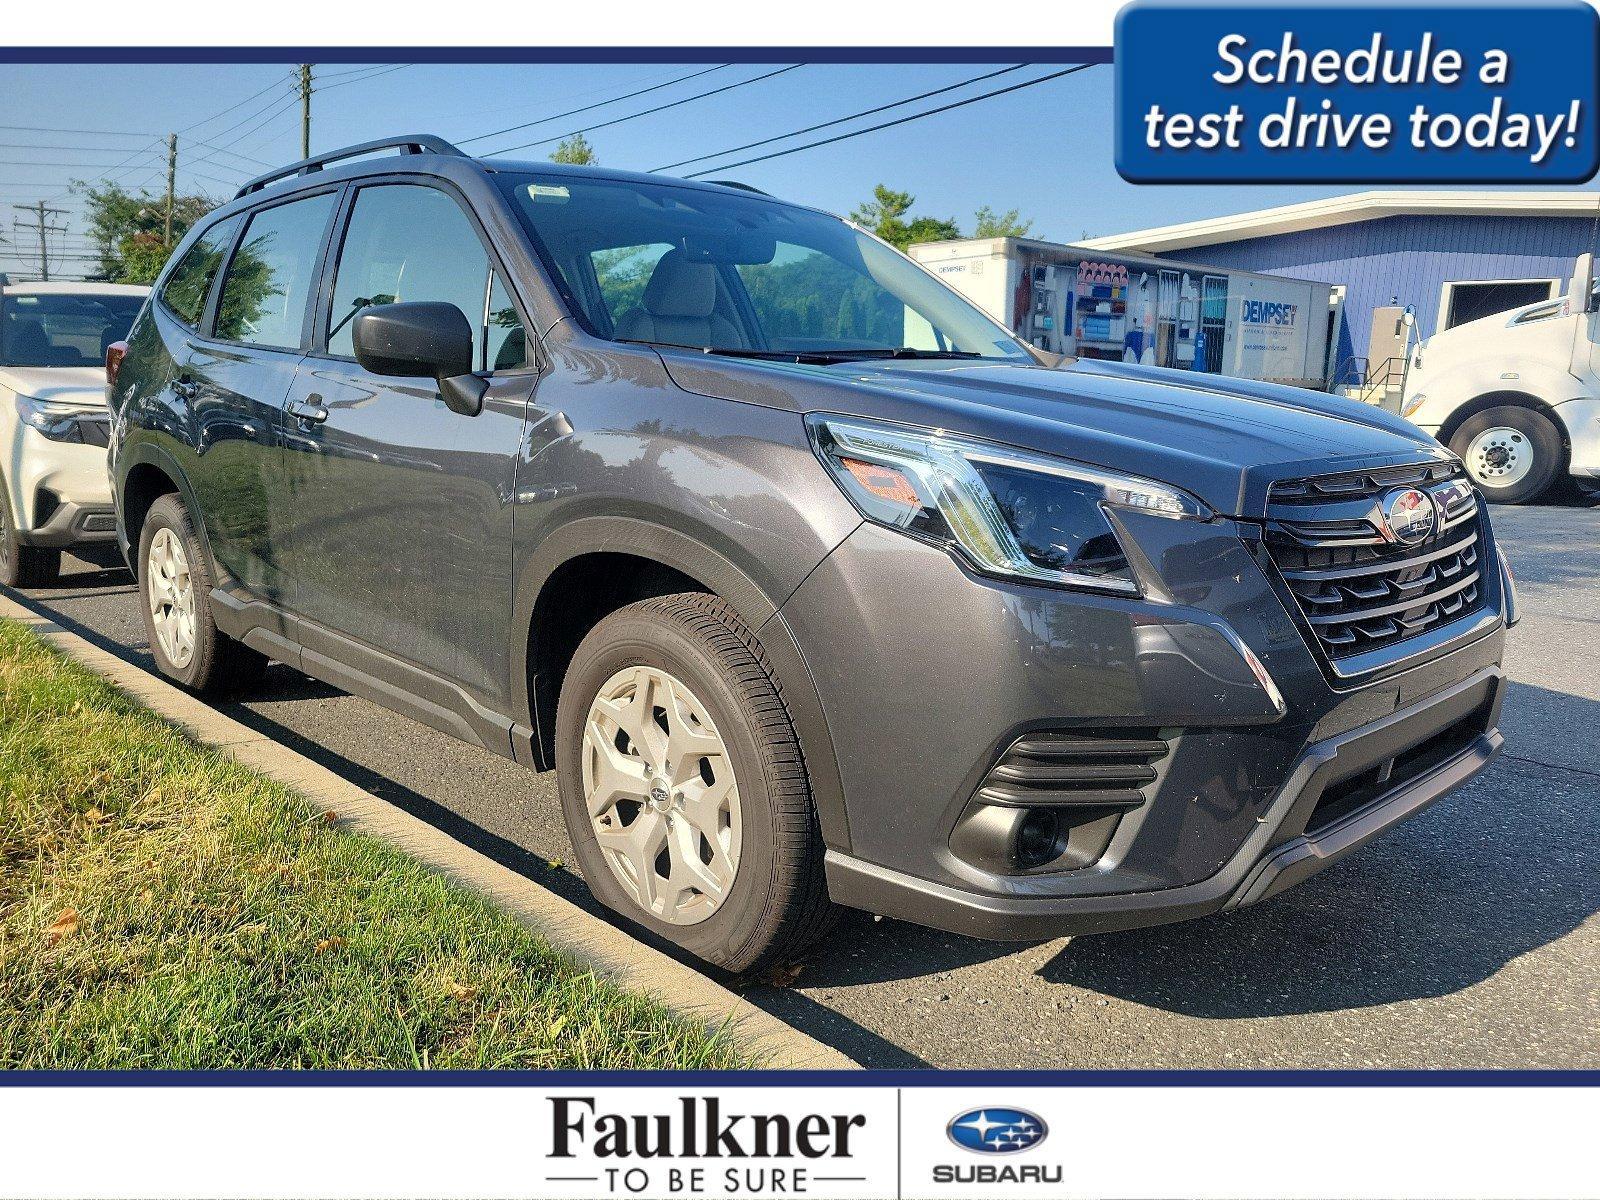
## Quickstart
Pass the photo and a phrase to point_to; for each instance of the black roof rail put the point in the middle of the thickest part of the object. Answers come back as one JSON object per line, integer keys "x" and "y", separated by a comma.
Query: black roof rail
{"x": 415, "y": 143}
{"x": 734, "y": 183}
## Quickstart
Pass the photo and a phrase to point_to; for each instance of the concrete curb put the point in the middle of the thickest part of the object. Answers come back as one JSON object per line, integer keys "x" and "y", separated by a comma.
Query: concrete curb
{"x": 611, "y": 953}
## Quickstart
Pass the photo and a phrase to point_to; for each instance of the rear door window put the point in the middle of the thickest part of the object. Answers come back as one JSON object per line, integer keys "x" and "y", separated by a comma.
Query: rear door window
{"x": 270, "y": 279}
{"x": 408, "y": 242}
{"x": 186, "y": 289}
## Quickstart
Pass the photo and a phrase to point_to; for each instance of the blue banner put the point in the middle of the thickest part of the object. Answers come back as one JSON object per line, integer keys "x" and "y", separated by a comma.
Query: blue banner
{"x": 1357, "y": 93}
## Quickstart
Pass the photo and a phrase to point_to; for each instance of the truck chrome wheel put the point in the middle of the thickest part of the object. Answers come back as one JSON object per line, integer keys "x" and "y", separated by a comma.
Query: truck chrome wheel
{"x": 661, "y": 796}
{"x": 170, "y": 591}
{"x": 1500, "y": 457}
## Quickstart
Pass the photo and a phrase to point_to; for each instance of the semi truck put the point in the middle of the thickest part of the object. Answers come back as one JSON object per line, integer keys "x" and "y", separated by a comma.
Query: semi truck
{"x": 1139, "y": 308}
{"x": 1517, "y": 395}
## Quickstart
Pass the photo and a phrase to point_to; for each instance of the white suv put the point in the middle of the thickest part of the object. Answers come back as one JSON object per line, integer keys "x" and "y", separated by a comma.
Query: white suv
{"x": 54, "y": 491}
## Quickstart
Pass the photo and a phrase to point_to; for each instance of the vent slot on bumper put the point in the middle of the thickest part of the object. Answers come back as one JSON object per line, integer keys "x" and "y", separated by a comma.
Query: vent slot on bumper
{"x": 1360, "y": 589}
{"x": 1054, "y": 799}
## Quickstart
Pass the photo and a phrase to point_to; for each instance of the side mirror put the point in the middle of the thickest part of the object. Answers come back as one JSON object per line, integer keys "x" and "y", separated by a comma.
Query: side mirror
{"x": 422, "y": 339}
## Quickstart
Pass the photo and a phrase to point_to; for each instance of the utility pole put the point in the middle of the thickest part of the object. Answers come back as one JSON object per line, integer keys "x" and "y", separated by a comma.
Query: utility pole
{"x": 305, "y": 110}
{"x": 43, "y": 213}
{"x": 172, "y": 185}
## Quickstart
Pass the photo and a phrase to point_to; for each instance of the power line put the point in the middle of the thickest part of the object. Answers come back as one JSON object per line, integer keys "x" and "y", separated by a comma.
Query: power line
{"x": 841, "y": 120}
{"x": 647, "y": 112}
{"x": 230, "y": 153}
{"x": 82, "y": 149}
{"x": 253, "y": 96}
{"x": 220, "y": 133}
{"x": 17, "y": 162}
{"x": 97, "y": 132}
{"x": 353, "y": 70}
{"x": 364, "y": 78}
{"x": 279, "y": 107}
{"x": 572, "y": 112}
{"x": 1015, "y": 87}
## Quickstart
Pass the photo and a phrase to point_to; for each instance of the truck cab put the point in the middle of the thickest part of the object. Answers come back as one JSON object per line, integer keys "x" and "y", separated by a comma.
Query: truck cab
{"x": 1517, "y": 395}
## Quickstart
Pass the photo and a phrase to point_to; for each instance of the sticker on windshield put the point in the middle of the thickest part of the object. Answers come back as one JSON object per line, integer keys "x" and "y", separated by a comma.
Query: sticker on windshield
{"x": 548, "y": 191}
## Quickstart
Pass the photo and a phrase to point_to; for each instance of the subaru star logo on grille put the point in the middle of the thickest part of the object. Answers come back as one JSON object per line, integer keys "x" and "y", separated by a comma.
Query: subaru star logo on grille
{"x": 1409, "y": 515}
{"x": 997, "y": 1130}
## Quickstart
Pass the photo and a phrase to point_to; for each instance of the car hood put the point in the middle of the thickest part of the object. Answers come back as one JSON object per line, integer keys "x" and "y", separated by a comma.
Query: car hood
{"x": 68, "y": 385}
{"x": 1224, "y": 440}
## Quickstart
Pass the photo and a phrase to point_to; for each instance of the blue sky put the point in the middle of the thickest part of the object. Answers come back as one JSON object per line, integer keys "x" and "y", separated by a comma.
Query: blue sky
{"x": 1044, "y": 150}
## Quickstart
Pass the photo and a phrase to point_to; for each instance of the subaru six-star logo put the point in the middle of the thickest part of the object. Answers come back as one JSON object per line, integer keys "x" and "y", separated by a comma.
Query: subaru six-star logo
{"x": 997, "y": 1130}
{"x": 1409, "y": 514}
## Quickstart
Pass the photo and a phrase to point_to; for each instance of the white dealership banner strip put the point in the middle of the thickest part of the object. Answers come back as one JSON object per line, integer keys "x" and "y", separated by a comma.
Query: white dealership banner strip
{"x": 698, "y": 1139}
{"x": 820, "y": 23}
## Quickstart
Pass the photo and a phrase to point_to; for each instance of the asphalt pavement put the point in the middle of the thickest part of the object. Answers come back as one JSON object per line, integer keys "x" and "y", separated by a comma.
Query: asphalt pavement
{"x": 1467, "y": 937}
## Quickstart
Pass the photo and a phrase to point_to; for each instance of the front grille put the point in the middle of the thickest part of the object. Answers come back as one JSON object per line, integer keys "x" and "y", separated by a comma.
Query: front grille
{"x": 1357, "y": 587}
{"x": 1101, "y": 770}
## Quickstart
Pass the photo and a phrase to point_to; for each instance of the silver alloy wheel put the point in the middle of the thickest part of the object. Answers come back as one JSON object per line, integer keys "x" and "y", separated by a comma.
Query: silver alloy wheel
{"x": 662, "y": 800}
{"x": 170, "y": 590}
{"x": 1500, "y": 457}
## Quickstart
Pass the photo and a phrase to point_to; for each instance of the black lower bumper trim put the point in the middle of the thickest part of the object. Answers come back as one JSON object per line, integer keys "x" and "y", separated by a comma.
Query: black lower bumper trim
{"x": 71, "y": 523}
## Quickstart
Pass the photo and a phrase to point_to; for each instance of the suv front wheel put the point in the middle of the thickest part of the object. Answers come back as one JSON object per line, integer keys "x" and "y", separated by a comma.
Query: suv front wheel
{"x": 23, "y": 566}
{"x": 175, "y": 578}
{"x": 683, "y": 784}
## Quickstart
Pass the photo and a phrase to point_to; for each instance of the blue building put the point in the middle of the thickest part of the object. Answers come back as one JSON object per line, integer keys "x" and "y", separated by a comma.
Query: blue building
{"x": 1451, "y": 256}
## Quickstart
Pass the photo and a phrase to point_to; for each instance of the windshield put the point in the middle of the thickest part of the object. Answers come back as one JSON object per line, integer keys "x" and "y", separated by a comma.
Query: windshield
{"x": 63, "y": 329}
{"x": 741, "y": 274}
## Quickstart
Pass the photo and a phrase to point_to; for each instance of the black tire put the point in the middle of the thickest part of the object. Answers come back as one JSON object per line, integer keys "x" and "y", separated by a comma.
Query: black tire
{"x": 218, "y": 665}
{"x": 777, "y": 904}
{"x": 23, "y": 566}
{"x": 1532, "y": 433}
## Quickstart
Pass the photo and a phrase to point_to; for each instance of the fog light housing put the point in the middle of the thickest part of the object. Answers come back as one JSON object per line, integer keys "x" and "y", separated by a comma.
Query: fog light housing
{"x": 1036, "y": 840}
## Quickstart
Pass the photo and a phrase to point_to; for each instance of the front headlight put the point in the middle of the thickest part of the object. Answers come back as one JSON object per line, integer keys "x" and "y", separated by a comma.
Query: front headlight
{"x": 58, "y": 422}
{"x": 1007, "y": 512}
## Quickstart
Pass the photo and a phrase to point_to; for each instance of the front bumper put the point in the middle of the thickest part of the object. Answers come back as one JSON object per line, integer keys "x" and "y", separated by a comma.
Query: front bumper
{"x": 61, "y": 492}
{"x": 1450, "y": 737}
{"x": 961, "y": 672}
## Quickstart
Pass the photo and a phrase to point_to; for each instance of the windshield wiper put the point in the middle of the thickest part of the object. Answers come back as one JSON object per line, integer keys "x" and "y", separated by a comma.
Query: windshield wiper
{"x": 815, "y": 357}
{"x": 820, "y": 357}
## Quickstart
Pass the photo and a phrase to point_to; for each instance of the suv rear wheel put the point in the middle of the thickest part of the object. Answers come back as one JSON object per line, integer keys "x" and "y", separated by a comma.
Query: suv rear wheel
{"x": 175, "y": 578}
{"x": 23, "y": 566}
{"x": 683, "y": 785}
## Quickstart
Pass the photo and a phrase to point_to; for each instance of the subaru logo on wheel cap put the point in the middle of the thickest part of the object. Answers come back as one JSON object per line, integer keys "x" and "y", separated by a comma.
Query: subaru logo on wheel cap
{"x": 997, "y": 1130}
{"x": 1408, "y": 515}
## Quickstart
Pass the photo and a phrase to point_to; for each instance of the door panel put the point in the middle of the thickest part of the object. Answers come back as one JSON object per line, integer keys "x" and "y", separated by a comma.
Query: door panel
{"x": 237, "y": 381}
{"x": 237, "y": 474}
{"x": 401, "y": 514}
{"x": 402, "y": 508}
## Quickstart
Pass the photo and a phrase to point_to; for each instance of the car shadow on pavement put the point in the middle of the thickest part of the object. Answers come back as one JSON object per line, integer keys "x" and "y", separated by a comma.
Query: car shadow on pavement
{"x": 1495, "y": 871}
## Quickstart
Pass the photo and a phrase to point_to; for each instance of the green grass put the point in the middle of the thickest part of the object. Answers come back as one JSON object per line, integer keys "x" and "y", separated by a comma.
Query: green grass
{"x": 164, "y": 907}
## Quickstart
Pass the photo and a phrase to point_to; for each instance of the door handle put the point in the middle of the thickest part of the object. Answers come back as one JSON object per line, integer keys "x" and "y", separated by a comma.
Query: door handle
{"x": 309, "y": 411}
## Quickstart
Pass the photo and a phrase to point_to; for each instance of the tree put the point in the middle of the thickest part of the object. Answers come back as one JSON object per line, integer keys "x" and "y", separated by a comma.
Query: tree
{"x": 575, "y": 150}
{"x": 1006, "y": 224}
{"x": 885, "y": 215}
{"x": 127, "y": 228}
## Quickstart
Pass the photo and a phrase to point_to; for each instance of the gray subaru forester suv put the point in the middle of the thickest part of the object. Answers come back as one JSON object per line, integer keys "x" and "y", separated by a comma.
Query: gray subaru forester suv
{"x": 813, "y": 584}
